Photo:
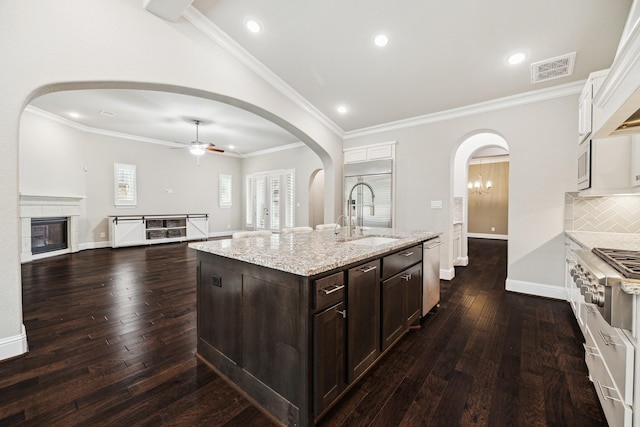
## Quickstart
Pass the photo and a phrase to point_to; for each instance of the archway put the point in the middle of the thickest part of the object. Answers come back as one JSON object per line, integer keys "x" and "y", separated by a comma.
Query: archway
{"x": 468, "y": 148}
{"x": 316, "y": 198}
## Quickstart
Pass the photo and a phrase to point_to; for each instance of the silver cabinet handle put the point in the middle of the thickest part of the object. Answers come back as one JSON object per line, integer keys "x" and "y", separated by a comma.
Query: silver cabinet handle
{"x": 591, "y": 351}
{"x": 590, "y": 309}
{"x": 368, "y": 269}
{"x": 406, "y": 277}
{"x": 606, "y": 395}
{"x": 335, "y": 288}
{"x": 407, "y": 254}
{"x": 607, "y": 339}
{"x": 343, "y": 312}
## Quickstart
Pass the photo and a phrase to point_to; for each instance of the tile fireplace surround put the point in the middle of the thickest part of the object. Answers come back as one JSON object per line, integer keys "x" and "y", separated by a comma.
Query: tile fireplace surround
{"x": 45, "y": 207}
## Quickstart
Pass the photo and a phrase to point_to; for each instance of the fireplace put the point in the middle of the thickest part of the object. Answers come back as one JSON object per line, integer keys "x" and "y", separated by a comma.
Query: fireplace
{"x": 48, "y": 234}
{"x": 42, "y": 219}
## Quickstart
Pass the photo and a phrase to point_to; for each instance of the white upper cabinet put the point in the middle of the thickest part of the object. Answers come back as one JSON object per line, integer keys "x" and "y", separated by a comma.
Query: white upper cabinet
{"x": 587, "y": 116}
{"x": 370, "y": 152}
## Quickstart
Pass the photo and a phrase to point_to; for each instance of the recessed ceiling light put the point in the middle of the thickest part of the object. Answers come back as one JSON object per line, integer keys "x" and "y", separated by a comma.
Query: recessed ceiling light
{"x": 253, "y": 25}
{"x": 74, "y": 115}
{"x": 231, "y": 147}
{"x": 381, "y": 40}
{"x": 516, "y": 58}
{"x": 342, "y": 109}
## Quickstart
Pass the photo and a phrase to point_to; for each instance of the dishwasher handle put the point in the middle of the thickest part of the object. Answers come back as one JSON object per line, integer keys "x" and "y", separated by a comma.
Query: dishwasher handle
{"x": 435, "y": 245}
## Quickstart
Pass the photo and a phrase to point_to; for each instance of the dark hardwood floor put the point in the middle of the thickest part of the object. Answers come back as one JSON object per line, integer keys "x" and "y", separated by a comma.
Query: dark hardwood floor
{"x": 112, "y": 340}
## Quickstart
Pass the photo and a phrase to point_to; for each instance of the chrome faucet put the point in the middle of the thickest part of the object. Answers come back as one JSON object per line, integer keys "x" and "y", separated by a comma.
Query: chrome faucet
{"x": 353, "y": 206}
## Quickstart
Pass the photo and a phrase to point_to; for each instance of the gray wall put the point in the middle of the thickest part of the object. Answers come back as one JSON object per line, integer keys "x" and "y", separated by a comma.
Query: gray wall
{"x": 542, "y": 147}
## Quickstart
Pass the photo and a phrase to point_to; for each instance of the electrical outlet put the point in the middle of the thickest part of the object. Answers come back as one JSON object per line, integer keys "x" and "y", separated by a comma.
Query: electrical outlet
{"x": 493, "y": 229}
{"x": 102, "y": 234}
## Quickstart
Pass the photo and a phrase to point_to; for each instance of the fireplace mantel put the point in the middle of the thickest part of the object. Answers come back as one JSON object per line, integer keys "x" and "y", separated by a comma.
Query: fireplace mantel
{"x": 41, "y": 206}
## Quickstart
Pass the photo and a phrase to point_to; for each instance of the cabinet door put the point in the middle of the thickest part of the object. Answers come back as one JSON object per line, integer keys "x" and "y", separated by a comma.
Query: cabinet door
{"x": 128, "y": 232}
{"x": 412, "y": 280}
{"x": 363, "y": 317}
{"x": 329, "y": 378}
{"x": 393, "y": 313}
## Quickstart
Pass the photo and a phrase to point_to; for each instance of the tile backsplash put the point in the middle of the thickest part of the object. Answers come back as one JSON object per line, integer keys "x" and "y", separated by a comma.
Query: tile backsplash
{"x": 613, "y": 214}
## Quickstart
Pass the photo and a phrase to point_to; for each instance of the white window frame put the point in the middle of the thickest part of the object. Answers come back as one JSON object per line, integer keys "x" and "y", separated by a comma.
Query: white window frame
{"x": 286, "y": 202}
{"x": 120, "y": 169}
{"x": 225, "y": 194}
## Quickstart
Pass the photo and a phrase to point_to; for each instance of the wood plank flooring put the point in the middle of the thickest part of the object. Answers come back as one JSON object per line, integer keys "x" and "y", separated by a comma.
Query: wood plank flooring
{"x": 112, "y": 340}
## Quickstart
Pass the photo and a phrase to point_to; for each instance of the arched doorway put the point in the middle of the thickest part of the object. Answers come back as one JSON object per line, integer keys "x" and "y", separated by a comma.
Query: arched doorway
{"x": 486, "y": 144}
{"x": 316, "y": 198}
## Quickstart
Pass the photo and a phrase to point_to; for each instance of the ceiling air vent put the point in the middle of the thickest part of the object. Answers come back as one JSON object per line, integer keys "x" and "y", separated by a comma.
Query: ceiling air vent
{"x": 554, "y": 68}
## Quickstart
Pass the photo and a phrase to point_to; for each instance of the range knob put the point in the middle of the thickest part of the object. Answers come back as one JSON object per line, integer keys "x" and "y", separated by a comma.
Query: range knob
{"x": 584, "y": 289}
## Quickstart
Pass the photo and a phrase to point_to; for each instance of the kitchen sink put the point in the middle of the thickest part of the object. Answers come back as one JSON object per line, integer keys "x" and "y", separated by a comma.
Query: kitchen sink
{"x": 373, "y": 241}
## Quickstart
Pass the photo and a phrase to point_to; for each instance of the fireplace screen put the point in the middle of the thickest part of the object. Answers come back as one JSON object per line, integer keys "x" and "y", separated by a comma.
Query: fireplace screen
{"x": 48, "y": 234}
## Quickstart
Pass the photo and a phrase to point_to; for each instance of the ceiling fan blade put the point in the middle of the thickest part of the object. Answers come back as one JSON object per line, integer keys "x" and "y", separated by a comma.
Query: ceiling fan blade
{"x": 217, "y": 150}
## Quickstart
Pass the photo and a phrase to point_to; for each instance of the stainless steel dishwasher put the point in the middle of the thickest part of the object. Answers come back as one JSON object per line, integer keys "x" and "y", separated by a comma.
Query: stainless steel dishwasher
{"x": 430, "y": 274}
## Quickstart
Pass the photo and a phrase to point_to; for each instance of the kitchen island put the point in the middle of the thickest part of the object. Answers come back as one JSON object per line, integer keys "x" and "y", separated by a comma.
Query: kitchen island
{"x": 294, "y": 320}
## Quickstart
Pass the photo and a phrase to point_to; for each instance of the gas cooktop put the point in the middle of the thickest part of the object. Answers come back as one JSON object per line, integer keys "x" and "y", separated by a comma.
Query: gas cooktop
{"x": 625, "y": 262}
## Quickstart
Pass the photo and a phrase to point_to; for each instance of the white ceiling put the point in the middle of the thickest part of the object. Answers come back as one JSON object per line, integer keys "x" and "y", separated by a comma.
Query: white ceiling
{"x": 442, "y": 55}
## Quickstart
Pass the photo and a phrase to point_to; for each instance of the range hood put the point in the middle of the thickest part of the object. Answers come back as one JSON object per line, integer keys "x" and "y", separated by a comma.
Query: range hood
{"x": 631, "y": 125}
{"x": 617, "y": 102}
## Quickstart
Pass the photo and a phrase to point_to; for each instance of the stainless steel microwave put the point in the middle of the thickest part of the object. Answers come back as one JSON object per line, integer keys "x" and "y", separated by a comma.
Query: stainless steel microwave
{"x": 584, "y": 165}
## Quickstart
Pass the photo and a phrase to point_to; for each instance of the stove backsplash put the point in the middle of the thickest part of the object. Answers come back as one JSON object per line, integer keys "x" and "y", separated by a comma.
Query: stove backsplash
{"x": 612, "y": 214}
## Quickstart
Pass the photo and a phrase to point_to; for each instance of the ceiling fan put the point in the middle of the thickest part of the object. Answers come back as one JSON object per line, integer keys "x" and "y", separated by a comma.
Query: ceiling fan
{"x": 198, "y": 147}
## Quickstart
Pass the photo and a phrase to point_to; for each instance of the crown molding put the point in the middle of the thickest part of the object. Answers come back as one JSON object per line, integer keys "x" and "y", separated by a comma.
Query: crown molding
{"x": 215, "y": 33}
{"x": 70, "y": 123}
{"x": 531, "y": 97}
{"x": 275, "y": 149}
{"x": 55, "y": 118}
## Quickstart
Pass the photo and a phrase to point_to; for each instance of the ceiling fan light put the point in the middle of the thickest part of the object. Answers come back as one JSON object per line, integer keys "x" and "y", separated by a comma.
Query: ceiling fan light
{"x": 197, "y": 150}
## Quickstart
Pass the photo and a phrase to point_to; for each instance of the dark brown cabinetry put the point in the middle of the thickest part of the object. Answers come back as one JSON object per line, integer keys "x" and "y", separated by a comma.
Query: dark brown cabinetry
{"x": 329, "y": 326}
{"x": 401, "y": 293}
{"x": 363, "y": 318}
{"x": 329, "y": 356}
{"x": 296, "y": 344}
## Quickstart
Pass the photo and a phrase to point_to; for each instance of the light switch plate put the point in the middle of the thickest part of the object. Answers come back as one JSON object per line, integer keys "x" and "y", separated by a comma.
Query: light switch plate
{"x": 436, "y": 204}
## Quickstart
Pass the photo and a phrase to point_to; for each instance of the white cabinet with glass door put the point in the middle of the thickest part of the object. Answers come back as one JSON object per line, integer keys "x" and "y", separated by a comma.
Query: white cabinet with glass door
{"x": 270, "y": 200}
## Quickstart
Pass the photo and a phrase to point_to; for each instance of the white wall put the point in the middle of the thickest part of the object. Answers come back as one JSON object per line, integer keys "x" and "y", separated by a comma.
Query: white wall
{"x": 303, "y": 160}
{"x": 541, "y": 140}
{"x": 59, "y": 160}
{"x": 50, "y": 45}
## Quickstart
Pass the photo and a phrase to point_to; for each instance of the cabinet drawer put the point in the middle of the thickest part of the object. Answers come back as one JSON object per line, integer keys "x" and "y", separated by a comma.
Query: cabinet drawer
{"x": 395, "y": 263}
{"x": 615, "y": 349}
{"x": 616, "y": 412}
{"x": 329, "y": 290}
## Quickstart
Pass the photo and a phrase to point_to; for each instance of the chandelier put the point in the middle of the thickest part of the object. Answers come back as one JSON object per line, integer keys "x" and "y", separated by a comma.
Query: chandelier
{"x": 479, "y": 187}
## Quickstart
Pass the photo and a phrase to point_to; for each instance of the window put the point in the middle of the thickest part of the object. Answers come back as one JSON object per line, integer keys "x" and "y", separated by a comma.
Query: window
{"x": 225, "y": 191}
{"x": 250, "y": 198}
{"x": 270, "y": 200}
{"x": 125, "y": 191}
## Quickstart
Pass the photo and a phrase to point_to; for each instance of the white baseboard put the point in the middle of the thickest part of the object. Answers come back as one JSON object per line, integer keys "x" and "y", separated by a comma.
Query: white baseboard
{"x": 537, "y": 289}
{"x": 488, "y": 236}
{"x": 14, "y": 346}
{"x": 447, "y": 274}
{"x": 94, "y": 245}
{"x": 462, "y": 261}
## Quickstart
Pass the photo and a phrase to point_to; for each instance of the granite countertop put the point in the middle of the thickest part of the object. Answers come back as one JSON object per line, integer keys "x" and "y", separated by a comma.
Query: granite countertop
{"x": 307, "y": 254}
{"x": 592, "y": 239}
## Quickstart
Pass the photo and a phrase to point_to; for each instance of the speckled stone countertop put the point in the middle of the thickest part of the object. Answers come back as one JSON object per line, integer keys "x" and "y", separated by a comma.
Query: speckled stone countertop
{"x": 307, "y": 254}
{"x": 592, "y": 239}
